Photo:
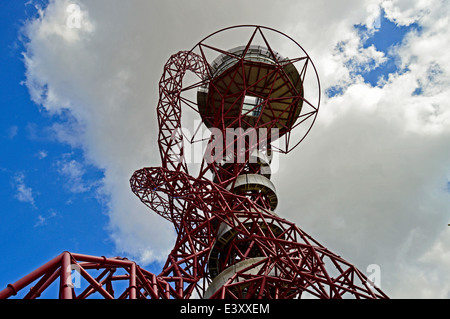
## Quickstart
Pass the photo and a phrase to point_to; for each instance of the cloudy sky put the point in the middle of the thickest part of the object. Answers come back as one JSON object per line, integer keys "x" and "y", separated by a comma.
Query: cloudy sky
{"x": 79, "y": 93}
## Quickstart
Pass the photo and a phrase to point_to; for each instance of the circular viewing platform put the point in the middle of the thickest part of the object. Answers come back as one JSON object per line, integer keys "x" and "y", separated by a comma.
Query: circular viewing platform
{"x": 251, "y": 88}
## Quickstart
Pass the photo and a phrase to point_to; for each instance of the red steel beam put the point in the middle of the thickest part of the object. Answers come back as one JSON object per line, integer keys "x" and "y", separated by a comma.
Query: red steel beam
{"x": 12, "y": 289}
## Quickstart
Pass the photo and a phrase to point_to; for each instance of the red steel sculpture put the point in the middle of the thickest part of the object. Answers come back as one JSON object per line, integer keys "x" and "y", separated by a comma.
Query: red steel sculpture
{"x": 230, "y": 242}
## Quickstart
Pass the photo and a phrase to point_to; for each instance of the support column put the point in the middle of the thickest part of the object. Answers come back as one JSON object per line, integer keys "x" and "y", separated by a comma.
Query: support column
{"x": 66, "y": 277}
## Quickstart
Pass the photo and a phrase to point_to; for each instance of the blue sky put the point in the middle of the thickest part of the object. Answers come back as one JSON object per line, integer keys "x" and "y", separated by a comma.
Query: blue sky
{"x": 386, "y": 35}
{"x": 42, "y": 213}
{"x": 79, "y": 118}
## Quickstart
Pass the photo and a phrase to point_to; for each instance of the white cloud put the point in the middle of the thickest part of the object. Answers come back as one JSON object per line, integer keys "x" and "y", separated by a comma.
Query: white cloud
{"x": 43, "y": 220}
{"x": 405, "y": 12}
{"x": 40, "y": 222}
{"x": 73, "y": 172}
{"x": 23, "y": 192}
{"x": 371, "y": 179}
{"x": 12, "y": 131}
{"x": 376, "y": 166}
{"x": 41, "y": 154}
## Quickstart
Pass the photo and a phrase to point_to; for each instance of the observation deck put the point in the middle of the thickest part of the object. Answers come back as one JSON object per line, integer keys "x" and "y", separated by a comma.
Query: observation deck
{"x": 251, "y": 87}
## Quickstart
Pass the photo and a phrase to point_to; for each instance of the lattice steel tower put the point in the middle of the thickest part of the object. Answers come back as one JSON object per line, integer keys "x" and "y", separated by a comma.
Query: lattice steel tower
{"x": 246, "y": 99}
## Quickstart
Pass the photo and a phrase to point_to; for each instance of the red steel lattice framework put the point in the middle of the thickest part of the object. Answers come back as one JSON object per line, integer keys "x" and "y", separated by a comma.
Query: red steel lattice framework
{"x": 230, "y": 242}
